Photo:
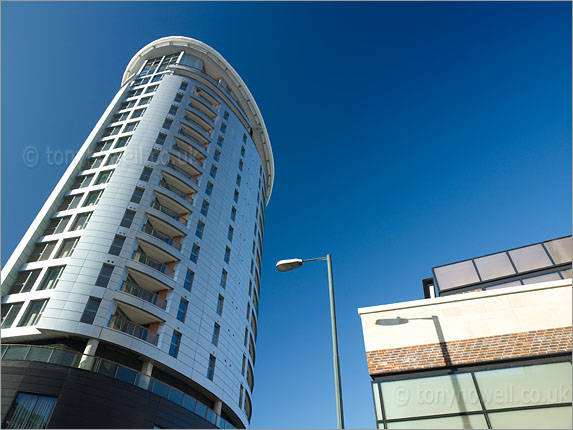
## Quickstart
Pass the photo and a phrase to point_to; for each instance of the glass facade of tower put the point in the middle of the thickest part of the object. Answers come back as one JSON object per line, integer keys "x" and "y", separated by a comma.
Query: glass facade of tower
{"x": 144, "y": 264}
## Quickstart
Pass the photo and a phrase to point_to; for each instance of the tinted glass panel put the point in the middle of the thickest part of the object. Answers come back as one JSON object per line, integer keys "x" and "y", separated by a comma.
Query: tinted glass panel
{"x": 546, "y": 418}
{"x": 560, "y": 250}
{"x": 494, "y": 266}
{"x": 456, "y": 274}
{"x": 529, "y": 258}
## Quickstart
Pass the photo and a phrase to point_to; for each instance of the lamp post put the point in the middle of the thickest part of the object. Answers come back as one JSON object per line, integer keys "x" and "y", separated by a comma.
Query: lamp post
{"x": 295, "y": 263}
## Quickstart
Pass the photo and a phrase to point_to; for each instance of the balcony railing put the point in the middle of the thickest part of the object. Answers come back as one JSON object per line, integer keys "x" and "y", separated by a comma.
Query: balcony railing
{"x": 168, "y": 212}
{"x": 187, "y": 156}
{"x": 161, "y": 236}
{"x": 183, "y": 172}
{"x": 137, "y": 291}
{"x": 114, "y": 370}
{"x": 133, "y": 329}
{"x": 175, "y": 190}
{"x": 142, "y": 258}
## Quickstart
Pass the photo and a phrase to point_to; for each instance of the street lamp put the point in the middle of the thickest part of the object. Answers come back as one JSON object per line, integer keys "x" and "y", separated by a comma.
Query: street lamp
{"x": 295, "y": 263}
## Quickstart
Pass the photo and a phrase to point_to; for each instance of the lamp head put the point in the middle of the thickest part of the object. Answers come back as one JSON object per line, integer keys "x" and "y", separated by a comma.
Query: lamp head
{"x": 286, "y": 265}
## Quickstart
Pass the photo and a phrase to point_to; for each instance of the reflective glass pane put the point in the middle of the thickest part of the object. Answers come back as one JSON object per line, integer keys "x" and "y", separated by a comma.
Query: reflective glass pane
{"x": 542, "y": 278}
{"x": 201, "y": 409}
{"x": 494, "y": 266}
{"x": 457, "y": 422}
{"x": 376, "y": 401}
{"x": 142, "y": 381}
{"x": 211, "y": 416}
{"x": 16, "y": 352}
{"x": 39, "y": 354}
{"x": 126, "y": 375}
{"x": 189, "y": 403}
{"x": 529, "y": 258}
{"x": 160, "y": 388}
{"x": 525, "y": 385}
{"x": 560, "y": 249}
{"x": 107, "y": 368}
{"x": 456, "y": 274}
{"x": 545, "y": 418}
{"x": 175, "y": 396}
{"x": 64, "y": 358}
{"x": 429, "y": 396}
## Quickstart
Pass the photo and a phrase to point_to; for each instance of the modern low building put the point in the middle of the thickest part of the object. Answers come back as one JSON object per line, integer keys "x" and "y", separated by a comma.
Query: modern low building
{"x": 488, "y": 347}
{"x": 132, "y": 301}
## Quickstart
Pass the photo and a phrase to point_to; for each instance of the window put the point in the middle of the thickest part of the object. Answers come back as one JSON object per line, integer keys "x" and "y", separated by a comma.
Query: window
{"x": 233, "y": 213}
{"x": 173, "y": 110}
{"x": 244, "y": 138}
{"x": 252, "y": 265}
{"x": 167, "y": 124}
{"x": 116, "y": 245}
{"x": 91, "y": 310}
{"x": 146, "y": 174}
{"x": 30, "y": 411}
{"x": 254, "y": 246}
{"x": 137, "y": 194}
{"x": 67, "y": 248}
{"x": 199, "y": 230}
{"x": 113, "y": 158}
{"x": 151, "y": 89}
{"x": 42, "y": 251}
{"x": 104, "y": 275}
{"x": 182, "y": 311}
{"x": 9, "y": 313}
{"x": 144, "y": 101}
{"x": 242, "y": 151}
{"x": 127, "y": 105}
{"x": 223, "y": 127}
{"x": 244, "y": 363}
{"x": 122, "y": 142}
{"x": 220, "y": 304}
{"x": 134, "y": 93}
{"x": 93, "y": 198}
{"x": 248, "y": 310}
{"x": 240, "y": 164}
{"x": 130, "y": 126}
{"x": 70, "y": 202}
{"x": 209, "y": 189}
{"x": 195, "y": 253}
{"x": 236, "y": 196}
{"x": 118, "y": 117}
{"x": 227, "y": 254}
{"x": 226, "y": 115}
{"x": 246, "y": 336}
{"x": 213, "y": 171}
{"x": 153, "y": 156}
{"x": 33, "y": 313}
{"x": 224, "y": 278}
{"x": 111, "y": 131}
{"x": 103, "y": 146}
{"x": 204, "y": 207}
{"x": 175, "y": 342}
{"x": 184, "y": 85}
{"x": 137, "y": 113}
{"x": 188, "y": 283}
{"x": 216, "y": 332}
{"x": 211, "y": 368}
{"x": 57, "y": 225}
{"x": 160, "y": 138}
{"x": 230, "y": 233}
{"x": 241, "y": 397}
{"x": 178, "y": 97}
{"x": 140, "y": 81}
{"x": 220, "y": 140}
{"x": 157, "y": 78}
{"x": 82, "y": 182}
{"x": 104, "y": 177}
{"x": 238, "y": 180}
{"x": 93, "y": 163}
{"x": 127, "y": 218}
{"x": 24, "y": 282}
{"x": 217, "y": 155}
{"x": 51, "y": 278}
{"x": 81, "y": 221}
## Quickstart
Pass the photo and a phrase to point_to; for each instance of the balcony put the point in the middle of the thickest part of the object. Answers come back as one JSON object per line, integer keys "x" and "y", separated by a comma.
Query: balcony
{"x": 190, "y": 149}
{"x": 169, "y": 212}
{"x": 188, "y": 175}
{"x": 129, "y": 327}
{"x": 148, "y": 228}
{"x": 154, "y": 264}
{"x": 197, "y": 103}
{"x": 194, "y": 132}
{"x": 168, "y": 182}
{"x": 196, "y": 118}
{"x": 135, "y": 290}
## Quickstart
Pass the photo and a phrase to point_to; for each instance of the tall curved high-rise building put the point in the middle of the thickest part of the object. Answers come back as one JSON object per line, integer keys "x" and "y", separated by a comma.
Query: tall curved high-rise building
{"x": 132, "y": 300}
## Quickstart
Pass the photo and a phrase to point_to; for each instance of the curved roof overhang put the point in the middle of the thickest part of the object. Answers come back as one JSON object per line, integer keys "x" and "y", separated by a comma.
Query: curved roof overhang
{"x": 170, "y": 44}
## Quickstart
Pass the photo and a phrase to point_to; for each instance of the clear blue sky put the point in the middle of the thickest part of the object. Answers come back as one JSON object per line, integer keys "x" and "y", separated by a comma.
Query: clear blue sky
{"x": 405, "y": 136}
